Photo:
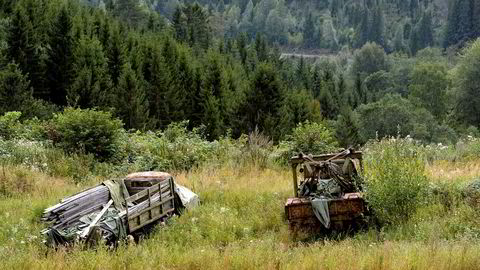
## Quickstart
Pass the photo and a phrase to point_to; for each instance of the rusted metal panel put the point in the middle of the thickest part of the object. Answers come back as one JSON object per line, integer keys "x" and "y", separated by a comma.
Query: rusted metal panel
{"x": 347, "y": 207}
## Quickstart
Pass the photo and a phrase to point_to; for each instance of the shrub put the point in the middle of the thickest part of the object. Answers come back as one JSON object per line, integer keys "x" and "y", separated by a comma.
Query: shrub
{"x": 86, "y": 131}
{"x": 395, "y": 178}
{"x": 309, "y": 138}
{"x": 10, "y": 125}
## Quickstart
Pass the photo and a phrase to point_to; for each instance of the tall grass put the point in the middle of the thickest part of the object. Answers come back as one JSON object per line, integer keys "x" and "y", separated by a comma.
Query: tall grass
{"x": 239, "y": 225}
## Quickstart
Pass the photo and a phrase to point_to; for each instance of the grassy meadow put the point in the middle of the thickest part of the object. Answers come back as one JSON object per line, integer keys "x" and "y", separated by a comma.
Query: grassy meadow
{"x": 240, "y": 225}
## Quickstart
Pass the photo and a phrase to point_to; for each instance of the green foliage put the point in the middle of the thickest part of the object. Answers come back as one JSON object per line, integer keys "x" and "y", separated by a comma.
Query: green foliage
{"x": 131, "y": 101}
{"x": 422, "y": 34}
{"x": 60, "y": 57}
{"x": 22, "y": 50}
{"x": 263, "y": 100}
{"x": 395, "y": 179}
{"x": 393, "y": 115}
{"x": 428, "y": 87}
{"x": 347, "y": 129}
{"x": 369, "y": 59}
{"x": 462, "y": 23}
{"x": 15, "y": 91}
{"x": 467, "y": 86}
{"x": 92, "y": 83}
{"x": 310, "y": 138}
{"x": 9, "y": 125}
{"x": 86, "y": 131}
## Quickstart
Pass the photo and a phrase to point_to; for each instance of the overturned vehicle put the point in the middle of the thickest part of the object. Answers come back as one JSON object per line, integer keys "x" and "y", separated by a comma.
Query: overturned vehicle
{"x": 116, "y": 209}
{"x": 329, "y": 196}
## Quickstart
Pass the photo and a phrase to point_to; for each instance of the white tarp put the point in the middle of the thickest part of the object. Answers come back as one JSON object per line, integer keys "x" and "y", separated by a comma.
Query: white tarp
{"x": 188, "y": 198}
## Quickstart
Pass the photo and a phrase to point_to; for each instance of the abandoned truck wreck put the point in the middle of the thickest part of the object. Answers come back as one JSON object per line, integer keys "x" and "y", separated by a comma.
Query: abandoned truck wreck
{"x": 329, "y": 196}
{"x": 116, "y": 208}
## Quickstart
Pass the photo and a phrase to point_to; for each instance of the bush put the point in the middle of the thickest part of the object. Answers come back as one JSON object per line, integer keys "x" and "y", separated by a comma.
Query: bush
{"x": 10, "y": 125}
{"x": 86, "y": 131}
{"x": 396, "y": 184}
{"x": 309, "y": 138}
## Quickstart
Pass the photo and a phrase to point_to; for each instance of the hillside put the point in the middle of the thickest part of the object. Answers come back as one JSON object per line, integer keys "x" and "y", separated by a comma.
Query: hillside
{"x": 327, "y": 24}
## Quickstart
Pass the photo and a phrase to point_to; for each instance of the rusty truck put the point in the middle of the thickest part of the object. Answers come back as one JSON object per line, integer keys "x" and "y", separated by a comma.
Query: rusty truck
{"x": 329, "y": 195}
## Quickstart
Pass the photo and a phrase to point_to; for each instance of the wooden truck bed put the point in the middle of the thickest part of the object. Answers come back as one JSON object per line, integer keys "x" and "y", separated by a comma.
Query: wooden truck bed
{"x": 343, "y": 212}
{"x": 151, "y": 203}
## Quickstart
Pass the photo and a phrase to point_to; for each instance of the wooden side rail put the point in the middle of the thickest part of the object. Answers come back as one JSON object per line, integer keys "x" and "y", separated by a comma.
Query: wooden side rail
{"x": 150, "y": 204}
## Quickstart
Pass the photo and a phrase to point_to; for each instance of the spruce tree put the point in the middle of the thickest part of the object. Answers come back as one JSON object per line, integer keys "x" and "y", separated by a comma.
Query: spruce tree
{"x": 115, "y": 53}
{"x": 263, "y": 100}
{"x": 91, "y": 85}
{"x": 22, "y": 50}
{"x": 347, "y": 130}
{"x": 362, "y": 32}
{"x": 261, "y": 47}
{"x": 377, "y": 27}
{"x": 131, "y": 102}
{"x": 179, "y": 24}
{"x": 59, "y": 72}
{"x": 309, "y": 31}
{"x": 15, "y": 91}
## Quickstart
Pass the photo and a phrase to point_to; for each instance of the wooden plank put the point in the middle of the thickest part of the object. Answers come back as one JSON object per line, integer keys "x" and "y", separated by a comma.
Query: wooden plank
{"x": 150, "y": 207}
{"x": 144, "y": 192}
{"x": 86, "y": 231}
{"x": 132, "y": 229}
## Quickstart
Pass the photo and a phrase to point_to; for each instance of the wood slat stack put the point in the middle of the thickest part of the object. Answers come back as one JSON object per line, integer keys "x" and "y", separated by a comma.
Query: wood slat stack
{"x": 69, "y": 211}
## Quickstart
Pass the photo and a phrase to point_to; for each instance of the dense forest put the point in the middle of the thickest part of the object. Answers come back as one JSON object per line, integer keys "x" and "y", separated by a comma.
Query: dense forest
{"x": 381, "y": 67}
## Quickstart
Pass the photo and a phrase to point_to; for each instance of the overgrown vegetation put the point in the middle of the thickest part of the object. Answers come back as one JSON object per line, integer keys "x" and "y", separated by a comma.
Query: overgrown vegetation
{"x": 152, "y": 69}
{"x": 396, "y": 184}
{"x": 202, "y": 90}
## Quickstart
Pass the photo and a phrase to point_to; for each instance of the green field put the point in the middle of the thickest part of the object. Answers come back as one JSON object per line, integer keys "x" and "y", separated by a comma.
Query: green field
{"x": 240, "y": 225}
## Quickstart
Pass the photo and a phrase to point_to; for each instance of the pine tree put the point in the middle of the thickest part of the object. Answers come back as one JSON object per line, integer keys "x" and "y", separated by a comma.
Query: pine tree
{"x": 197, "y": 28}
{"x": 131, "y": 102}
{"x": 347, "y": 129}
{"x": 422, "y": 34}
{"x": 115, "y": 52}
{"x": 362, "y": 32}
{"x": 398, "y": 41}
{"x": 129, "y": 11}
{"x": 309, "y": 31}
{"x": 461, "y": 22}
{"x": 15, "y": 92}
{"x": 360, "y": 89}
{"x": 242, "y": 47}
{"x": 317, "y": 82}
{"x": 179, "y": 24}
{"x": 261, "y": 47}
{"x": 60, "y": 58}
{"x": 377, "y": 27}
{"x": 158, "y": 76}
{"x": 22, "y": 50}
{"x": 329, "y": 97}
{"x": 263, "y": 100}
{"x": 91, "y": 85}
